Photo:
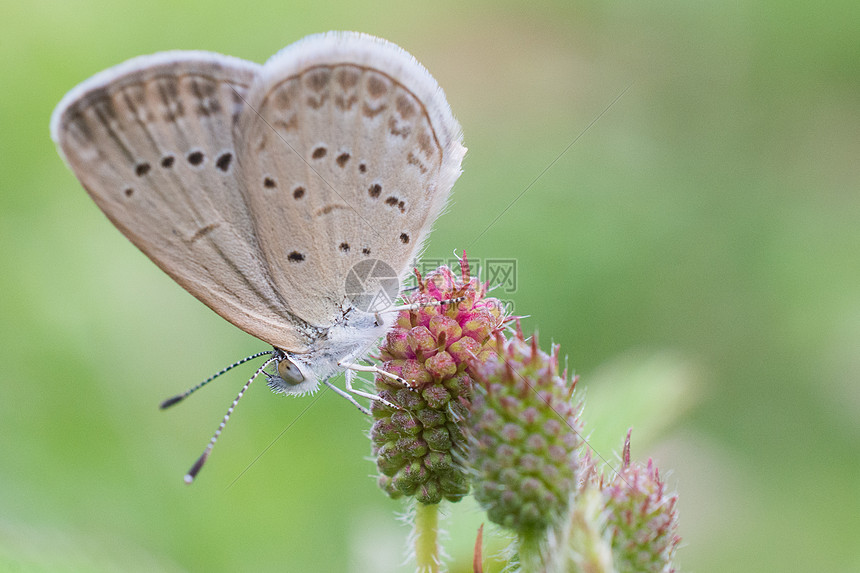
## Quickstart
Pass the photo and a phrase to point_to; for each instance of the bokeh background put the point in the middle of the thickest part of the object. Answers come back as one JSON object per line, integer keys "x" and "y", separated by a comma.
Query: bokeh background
{"x": 694, "y": 247}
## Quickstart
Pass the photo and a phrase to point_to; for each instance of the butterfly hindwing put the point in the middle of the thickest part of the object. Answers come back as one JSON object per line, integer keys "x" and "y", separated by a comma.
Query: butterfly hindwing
{"x": 348, "y": 153}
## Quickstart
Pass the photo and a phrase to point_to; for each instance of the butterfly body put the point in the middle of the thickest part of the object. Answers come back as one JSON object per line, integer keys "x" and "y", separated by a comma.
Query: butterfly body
{"x": 346, "y": 342}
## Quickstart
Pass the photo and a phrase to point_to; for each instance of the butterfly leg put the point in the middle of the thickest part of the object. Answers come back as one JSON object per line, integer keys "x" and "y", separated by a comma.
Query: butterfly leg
{"x": 350, "y": 376}
{"x": 374, "y": 369}
{"x": 340, "y": 392}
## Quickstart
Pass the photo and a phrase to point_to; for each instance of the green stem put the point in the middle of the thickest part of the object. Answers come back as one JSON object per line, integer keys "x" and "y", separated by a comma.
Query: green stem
{"x": 427, "y": 537}
{"x": 529, "y": 550}
{"x": 590, "y": 551}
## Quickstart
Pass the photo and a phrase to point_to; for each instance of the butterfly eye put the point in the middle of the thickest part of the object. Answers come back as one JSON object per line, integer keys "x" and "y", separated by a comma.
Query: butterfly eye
{"x": 289, "y": 372}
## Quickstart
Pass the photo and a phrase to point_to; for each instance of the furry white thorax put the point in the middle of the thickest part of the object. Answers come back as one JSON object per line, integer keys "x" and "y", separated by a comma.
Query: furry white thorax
{"x": 347, "y": 341}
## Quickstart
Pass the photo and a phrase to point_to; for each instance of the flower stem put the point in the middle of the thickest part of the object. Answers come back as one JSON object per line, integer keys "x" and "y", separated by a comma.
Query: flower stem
{"x": 529, "y": 550}
{"x": 591, "y": 552}
{"x": 426, "y": 534}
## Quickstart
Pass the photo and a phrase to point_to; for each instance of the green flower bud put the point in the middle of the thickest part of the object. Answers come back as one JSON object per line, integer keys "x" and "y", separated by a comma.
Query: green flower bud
{"x": 524, "y": 436}
{"x": 641, "y": 517}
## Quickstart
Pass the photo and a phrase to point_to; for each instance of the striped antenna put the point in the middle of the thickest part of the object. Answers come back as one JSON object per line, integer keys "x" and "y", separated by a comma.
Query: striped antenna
{"x": 179, "y": 397}
{"x": 192, "y": 473}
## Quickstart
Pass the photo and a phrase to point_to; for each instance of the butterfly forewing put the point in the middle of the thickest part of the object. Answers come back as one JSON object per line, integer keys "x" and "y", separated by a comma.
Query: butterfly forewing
{"x": 348, "y": 152}
{"x": 152, "y": 142}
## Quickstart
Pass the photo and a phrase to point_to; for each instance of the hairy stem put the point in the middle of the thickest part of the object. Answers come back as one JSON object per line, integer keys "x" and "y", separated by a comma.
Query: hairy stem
{"x": 591, "y": 552}
{"x": 529, "y": 550}
{"x": 426, "y": 534}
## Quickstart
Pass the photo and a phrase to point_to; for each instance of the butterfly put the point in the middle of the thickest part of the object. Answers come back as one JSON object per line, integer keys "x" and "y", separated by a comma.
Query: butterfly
{"x": 274, "y": 192}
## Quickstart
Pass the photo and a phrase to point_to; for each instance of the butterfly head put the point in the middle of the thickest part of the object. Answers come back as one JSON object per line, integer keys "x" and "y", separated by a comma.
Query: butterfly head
{"x": 291, "y": 376}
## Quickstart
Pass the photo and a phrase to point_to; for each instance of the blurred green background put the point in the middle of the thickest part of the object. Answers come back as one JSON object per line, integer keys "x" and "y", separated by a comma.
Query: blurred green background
{"x": 696, "y": 252}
